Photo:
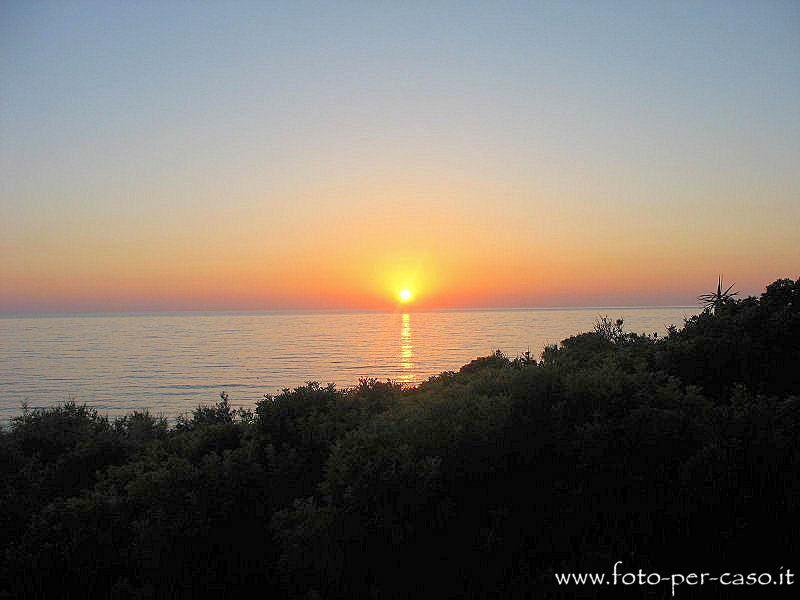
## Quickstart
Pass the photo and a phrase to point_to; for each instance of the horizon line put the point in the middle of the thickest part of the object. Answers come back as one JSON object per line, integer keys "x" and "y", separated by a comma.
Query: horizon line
{"x": 257, "y": 311}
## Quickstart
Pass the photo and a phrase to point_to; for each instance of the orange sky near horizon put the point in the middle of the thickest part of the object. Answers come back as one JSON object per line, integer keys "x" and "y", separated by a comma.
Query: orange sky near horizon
{"x": 456, "y": 251}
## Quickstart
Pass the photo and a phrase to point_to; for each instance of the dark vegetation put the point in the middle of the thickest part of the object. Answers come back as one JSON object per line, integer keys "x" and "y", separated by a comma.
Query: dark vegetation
{"x": 673, "y": 452}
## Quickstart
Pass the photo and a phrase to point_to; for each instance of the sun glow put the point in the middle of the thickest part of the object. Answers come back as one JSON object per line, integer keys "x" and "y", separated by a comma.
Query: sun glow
{"x": 405, "y": 296}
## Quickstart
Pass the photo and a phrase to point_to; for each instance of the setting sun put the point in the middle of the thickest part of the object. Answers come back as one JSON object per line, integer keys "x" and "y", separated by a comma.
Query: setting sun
{"x": 405, "y": 296}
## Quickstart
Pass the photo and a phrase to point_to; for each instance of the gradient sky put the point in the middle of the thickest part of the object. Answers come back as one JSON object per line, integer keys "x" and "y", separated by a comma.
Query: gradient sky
{"x": 233, "y": 155}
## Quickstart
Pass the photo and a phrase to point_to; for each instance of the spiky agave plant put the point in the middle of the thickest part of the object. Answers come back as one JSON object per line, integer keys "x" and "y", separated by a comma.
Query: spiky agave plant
{"x": 713, "y": 300}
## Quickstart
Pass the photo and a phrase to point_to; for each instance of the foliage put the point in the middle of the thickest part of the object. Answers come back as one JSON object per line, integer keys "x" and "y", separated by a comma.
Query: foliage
{"x": 666, "y": 453}
{"x": 718, "y": 299}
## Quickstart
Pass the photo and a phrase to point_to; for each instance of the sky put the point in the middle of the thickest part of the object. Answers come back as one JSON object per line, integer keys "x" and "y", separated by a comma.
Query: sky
{"x": 271, "y": 155}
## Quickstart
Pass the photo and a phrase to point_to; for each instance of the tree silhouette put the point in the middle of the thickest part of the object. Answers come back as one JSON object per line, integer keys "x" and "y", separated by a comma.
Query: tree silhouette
{"x": 714, "y": 300}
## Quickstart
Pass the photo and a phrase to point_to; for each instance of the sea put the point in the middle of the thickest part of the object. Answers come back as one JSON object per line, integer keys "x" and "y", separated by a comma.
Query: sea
{"x": 170, "y": 363}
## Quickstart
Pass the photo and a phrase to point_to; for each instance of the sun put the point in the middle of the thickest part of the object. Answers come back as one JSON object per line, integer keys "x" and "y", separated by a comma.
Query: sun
{"x": 405, "y": 296}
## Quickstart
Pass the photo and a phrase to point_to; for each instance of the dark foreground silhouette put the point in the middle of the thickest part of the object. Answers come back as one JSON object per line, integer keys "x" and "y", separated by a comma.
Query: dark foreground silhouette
{"x": 672, "y": 453}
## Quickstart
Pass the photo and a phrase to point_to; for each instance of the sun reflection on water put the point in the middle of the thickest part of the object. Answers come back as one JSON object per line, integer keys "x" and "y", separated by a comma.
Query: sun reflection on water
{"x": 406, "y": 350}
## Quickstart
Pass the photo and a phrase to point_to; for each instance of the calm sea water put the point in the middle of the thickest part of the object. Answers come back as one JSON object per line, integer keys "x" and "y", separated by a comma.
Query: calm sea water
{"x": 170, "y": 363}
